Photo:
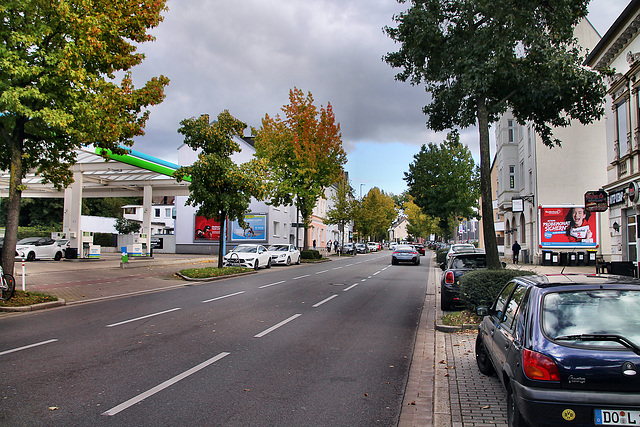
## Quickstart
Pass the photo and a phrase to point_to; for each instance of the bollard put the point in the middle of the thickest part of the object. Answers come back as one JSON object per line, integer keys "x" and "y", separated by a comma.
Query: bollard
{"x": 24, "y": 285}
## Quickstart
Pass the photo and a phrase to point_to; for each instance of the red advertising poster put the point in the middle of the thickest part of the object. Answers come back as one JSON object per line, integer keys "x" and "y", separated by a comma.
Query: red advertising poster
{"x": 206, "y": 230}
{"x": 568, "y": 227}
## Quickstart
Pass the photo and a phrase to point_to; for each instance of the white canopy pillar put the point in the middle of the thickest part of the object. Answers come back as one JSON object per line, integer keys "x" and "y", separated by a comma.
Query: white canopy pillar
{"x": 73, "y": 210}
{"x": 146, "y": 215}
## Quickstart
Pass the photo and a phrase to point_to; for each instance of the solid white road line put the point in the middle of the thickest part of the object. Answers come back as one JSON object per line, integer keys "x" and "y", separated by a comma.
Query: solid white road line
{"x": 224, "y": 296}
{"x": 350, "y": 287}
{"x": 271, "y": 284}
{"x": 27, "y": 346}
{"x": 301, "y": 277}
{"x": 274, "y": 327}
{"x": 139, "y": 398}
{"x": 143, "y": 317}
{"x": 324, "y": 300}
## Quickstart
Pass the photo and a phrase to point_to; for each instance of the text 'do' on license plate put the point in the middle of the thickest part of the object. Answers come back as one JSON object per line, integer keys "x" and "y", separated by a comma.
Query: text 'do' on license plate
{"x": 618, "y": 417}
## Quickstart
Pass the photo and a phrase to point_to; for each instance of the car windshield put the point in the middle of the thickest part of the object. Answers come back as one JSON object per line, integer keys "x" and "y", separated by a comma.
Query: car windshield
{"x": 28, "y": 241}
{"x": 279, "y": 248}
{"x": 247, "y": 249}
{"x": 576, "y": 316}
{"x": 471, "y": 261}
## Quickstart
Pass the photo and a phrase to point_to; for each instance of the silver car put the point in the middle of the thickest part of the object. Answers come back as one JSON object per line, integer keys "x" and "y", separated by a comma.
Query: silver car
{"x": 405, "y": 253}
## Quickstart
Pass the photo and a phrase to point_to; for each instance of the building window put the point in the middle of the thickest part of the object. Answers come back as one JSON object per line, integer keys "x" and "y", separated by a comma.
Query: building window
{"x": 622, "y": 128}
{"x": 130, "y": 211}
{"x": 156, "y": 212}
{"x": 529, "y": 141}
{"x": 522, "y": 181}
{"x": 510, "y": 130}
{"x": 167, "y": 212}
{"x": 512, "y": 177}
{"x": 276, "y": 229}
{"x": 530, "y": 181}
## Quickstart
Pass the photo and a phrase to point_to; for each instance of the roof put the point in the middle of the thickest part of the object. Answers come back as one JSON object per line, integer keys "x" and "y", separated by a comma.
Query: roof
{"x": 550, "y": 280}
{"x": 612, "y": 43}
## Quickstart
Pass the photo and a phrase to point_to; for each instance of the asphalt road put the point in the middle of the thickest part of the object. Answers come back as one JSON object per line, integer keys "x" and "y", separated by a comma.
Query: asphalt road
{"x": 320, "y": 344}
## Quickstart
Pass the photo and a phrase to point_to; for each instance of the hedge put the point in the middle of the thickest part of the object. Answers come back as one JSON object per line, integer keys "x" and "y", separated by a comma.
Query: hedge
{"x": 441, "y": 256}
{"x": 310, "y": 254}
{"x": 480, "y": 288}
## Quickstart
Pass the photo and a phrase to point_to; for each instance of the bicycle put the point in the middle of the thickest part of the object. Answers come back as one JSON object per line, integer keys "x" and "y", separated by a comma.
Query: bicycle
{"x": 7, "y": 285}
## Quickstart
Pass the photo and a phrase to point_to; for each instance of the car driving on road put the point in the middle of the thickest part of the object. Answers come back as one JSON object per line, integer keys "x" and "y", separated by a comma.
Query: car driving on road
{"x": 566, "y": 348}
{"x": 405, "y": 253}
{"x": 249, "y": 256}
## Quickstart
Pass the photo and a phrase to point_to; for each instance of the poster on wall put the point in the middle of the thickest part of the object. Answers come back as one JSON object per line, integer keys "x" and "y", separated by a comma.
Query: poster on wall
{"x": 568, "y": 226}
{"x": 256, "y": 228}
{"x": 206, "y": 230}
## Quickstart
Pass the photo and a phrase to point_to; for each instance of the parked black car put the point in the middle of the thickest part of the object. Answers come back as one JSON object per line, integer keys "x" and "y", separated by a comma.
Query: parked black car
{"x": 566, "y": 348}
{"x": 453, "y": 269}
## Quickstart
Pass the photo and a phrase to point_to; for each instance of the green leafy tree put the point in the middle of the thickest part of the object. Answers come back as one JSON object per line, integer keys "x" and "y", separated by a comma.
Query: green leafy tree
{"x": 219, "y": 188}
{"x": 477, "y": 58}
{"x": 443, "y": 181}
{"x": 341, "y": 213}
{"x": 126, "y": 226}
{"x": 420, "y": 224}
{"x": 303, "y": 152}
{"x": 375, "y": 214}
{"x": 58, "y": 62}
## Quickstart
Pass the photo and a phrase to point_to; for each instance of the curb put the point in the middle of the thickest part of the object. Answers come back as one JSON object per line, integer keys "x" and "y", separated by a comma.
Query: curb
{"x": 451, "y": 329}
{"x": 210, "y": 279}
{"x": 35, "y": 307}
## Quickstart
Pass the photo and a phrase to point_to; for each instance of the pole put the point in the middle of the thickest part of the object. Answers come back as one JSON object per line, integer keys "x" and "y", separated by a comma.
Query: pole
{"x": 24, "y": 285}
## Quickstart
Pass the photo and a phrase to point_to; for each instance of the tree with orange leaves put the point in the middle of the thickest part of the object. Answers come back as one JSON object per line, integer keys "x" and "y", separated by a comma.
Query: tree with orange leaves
{"x": 303, "y": 151}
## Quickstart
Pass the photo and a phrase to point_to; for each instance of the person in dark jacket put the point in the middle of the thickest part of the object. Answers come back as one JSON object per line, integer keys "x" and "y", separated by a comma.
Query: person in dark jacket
{"x": 516, "y": 251}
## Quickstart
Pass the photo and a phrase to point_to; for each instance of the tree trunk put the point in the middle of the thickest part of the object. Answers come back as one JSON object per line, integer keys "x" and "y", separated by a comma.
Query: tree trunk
{"x": 223, "y": 221}
{"x": 490, "y": 241}
{"x": 13, "y": 205}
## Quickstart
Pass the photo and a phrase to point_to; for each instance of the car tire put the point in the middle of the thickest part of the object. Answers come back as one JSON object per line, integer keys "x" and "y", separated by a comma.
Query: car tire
{"x": 445, "y": 304}
{"x": 31, "y": 256}
{"x": 269, "y": 263}
{"x": 417, "y": 261}
{"x": 58, "y": 256}
{"x": 288, "y": 260}
{"x": 514, "y": 416}
{"x": 482, "y": 359}
{"x": 298, "y": 262}
{"x": 394, "y": 262}
{"x": 256, "y": 265}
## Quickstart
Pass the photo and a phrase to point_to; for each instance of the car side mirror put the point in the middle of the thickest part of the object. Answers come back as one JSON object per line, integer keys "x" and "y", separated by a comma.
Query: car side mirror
{"x": 504, "y": 264}
{"x": 443, "y": 266}
{"x": 482, "y": 311}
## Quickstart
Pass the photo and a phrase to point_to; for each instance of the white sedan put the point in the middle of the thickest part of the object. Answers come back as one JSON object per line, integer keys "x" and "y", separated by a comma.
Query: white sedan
{"x": 32, "y": 248}
{"x": 284, "y": 254}
{"x": 249, "y": 256}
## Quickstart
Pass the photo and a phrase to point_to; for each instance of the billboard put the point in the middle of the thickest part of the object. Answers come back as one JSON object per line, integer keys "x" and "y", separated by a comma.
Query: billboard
{"x": 206, "y": 230}
{"x": 568, "y": 226}
{"x": 256, "y": 228}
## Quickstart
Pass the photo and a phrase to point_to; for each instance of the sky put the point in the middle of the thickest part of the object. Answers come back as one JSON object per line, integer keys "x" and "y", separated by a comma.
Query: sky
{"x": 245, "y": 56}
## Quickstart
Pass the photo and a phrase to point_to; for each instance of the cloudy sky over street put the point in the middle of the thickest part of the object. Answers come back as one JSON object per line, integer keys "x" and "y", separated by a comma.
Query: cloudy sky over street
{"x": 246, "y": 55}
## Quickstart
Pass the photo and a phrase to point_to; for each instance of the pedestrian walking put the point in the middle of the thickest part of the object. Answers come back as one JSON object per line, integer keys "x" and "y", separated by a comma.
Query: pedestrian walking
{"x": 516, "y": 251}
{"x": 329, "y": 246}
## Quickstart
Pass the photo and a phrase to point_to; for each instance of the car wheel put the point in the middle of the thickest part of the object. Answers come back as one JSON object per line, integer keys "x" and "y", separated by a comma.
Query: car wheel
{"x": 445, "y": 304}
{"x": 514, "y": 417}
{"x": 417, "y": 261}
{"x": 256, "y": 265}
{"x": 58, "y": 256}
{"x": 298, "y": 262}
{"x": 31, "y": 256}
{"x": 288, "y": 260}
{"x": 482, "y": 358}
{"x": 269, "y": 263}
{"x": 393, "y": 261}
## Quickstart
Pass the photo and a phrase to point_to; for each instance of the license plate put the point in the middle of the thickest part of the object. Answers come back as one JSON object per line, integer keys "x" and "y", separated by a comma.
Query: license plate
{"x": 619, "y": 417}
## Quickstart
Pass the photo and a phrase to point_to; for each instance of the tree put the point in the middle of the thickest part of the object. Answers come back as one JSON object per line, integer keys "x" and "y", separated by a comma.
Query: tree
{"x": 126, "y": 226}
{"x": 303, "y": 152}
{"x": 58, "y": 60}
{"x": 443, "y": 181}
{"x": 374, "y": 214}
{"x": 477, "y": 58}
{"x": 219, "y": 188}
{"x": 420, "y": 224}
{"x": 341, "y": 213}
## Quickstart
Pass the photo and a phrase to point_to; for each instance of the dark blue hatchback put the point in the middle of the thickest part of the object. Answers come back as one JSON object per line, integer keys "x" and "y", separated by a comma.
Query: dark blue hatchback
{"x": 566, "y": 348}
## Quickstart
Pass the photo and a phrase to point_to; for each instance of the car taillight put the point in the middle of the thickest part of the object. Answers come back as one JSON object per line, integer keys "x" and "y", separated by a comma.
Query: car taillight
{"x": 449, "y": 278}
{"x": 539, "y": 367}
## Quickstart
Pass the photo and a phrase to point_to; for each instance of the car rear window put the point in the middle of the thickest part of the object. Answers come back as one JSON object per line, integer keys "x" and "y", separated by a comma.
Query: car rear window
{"x": 601, "y": 312}
{"x": 471, "y": 261}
